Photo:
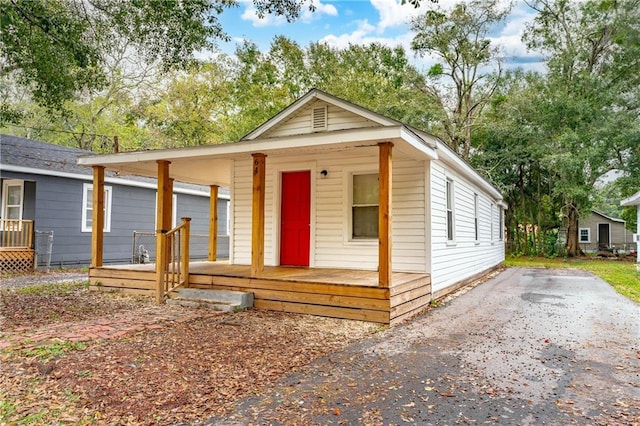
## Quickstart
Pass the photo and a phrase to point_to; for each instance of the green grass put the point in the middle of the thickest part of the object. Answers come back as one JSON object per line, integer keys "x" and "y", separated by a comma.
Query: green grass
{"x": 61, "y": 289}
{"x": 623, "y": 276}
{"x": 54, "y": 350}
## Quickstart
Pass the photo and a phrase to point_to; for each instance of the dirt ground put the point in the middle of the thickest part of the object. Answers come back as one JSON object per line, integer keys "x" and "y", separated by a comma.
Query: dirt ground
{"x": 73, "y": 356}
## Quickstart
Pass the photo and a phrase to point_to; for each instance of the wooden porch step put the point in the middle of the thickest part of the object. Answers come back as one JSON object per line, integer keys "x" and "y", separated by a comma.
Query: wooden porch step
{"x": 220, "y": 300}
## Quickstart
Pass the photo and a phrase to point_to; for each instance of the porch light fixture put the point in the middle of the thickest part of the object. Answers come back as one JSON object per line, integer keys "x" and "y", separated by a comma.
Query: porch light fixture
{"x": 324, "y": 173}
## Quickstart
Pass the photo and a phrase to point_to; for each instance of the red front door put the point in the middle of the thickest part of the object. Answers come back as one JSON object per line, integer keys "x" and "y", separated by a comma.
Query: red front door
{"x": 295, "y": 215}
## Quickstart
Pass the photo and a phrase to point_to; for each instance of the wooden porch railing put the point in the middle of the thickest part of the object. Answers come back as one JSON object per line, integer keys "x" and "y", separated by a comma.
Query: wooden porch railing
{"x": 176, "y": 264}
{"x": 15, "y": 233}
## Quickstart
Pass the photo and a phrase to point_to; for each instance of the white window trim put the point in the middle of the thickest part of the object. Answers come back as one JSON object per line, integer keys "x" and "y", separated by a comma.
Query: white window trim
{"x": 174, "y": 211}
{"x": 228, "y": 221}
{"x": 451, "y": 186}
{"x": 476, "y": 216}
{"x": 500, "y": 224}
{"x": 5, "y": 196}
{"x": 493, "y": 233}
{"x": 107, "y": 207}
{"x": 348, "y": 214}
{"x": 588, "y": 235}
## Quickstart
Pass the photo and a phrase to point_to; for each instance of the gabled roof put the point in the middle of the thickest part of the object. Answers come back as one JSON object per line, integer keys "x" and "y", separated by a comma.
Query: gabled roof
{"x": 308, "y": 98}
{"x": 633, "y": 200}
{"x": 23, "y": 155}
{"x": 212, "y": 164}
{"x": 613, "y": 219}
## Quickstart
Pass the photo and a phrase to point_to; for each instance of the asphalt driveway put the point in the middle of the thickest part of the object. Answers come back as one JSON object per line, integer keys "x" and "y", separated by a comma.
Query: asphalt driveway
{"x": 530, "y": 346}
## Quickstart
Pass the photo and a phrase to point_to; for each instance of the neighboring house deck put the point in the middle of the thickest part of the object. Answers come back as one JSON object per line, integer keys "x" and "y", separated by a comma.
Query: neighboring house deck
{"x": 44, "y": 192}
{"x": 335, "y": 210}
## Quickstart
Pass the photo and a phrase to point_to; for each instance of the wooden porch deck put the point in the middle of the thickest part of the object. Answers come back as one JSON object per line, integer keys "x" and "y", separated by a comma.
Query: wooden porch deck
{"x": 340, "y": 293}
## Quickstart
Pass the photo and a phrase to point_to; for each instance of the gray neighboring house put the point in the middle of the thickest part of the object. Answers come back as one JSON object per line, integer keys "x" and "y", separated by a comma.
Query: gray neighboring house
{"x": 599, "y": 232}
{"x": 41, "y": 182}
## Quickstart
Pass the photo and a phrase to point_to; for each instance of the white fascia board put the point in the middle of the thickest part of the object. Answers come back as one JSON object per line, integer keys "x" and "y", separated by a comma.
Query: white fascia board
{"x": 111, "y": 180}
{"x": 419, "y": 143}
{"x": 461, "y": 166}
{"x": 633, "y": 200}
{"x": 231, "y": 150}
{"x": 369, "y": 115}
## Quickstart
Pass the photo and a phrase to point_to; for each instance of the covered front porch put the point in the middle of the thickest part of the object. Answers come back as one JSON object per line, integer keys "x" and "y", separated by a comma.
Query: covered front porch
{"x": 341, "y": 293}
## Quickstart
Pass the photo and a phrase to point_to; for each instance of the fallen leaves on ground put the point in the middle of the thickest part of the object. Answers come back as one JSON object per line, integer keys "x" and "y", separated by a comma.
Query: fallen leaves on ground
{"x": 181, "y": 372}
{"x": 42, "y": 305}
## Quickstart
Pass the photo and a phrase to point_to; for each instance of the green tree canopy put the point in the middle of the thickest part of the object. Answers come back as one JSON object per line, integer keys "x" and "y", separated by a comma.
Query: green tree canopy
{"x": 58, "y": 48}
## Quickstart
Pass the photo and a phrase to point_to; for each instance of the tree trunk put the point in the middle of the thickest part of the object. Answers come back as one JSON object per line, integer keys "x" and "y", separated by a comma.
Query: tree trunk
{"x": 573, "y": 248}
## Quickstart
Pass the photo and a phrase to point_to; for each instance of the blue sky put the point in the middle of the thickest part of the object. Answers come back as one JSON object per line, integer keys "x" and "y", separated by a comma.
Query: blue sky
{"x": 341, "y": 22}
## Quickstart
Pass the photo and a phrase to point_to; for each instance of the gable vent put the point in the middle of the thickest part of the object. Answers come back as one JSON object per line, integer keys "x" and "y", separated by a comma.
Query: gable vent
{"x": 319, "y": 119}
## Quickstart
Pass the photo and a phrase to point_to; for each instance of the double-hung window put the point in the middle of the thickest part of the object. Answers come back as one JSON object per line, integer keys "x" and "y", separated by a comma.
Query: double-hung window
{"x": 585, "y": 235}
{"x": 450, "y": 210}
{"x": 493, "y": 232}
{"x": 364, "y": 206}
{"x": 87, "y": 208}
{"x": 12, "y": 199}
{"x": 476, "y": 218}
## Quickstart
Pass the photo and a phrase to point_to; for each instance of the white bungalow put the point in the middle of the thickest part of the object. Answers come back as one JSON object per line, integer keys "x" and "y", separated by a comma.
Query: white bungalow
{"x": 335, "y": 210}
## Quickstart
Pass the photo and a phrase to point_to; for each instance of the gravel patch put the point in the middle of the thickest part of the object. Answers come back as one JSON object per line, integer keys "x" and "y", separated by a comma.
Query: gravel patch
{"x": 40, "y": 278}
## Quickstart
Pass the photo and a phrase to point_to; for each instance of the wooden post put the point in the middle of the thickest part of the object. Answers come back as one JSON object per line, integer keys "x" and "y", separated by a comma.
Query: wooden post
{"x": 97, "y": 217}
{"x": 213, "y": 223}
{"x": 384, "y": 215}
{"x": 164, "y": 191}
{"x": 257, "y": 215}
{"x": 185, "y": 249}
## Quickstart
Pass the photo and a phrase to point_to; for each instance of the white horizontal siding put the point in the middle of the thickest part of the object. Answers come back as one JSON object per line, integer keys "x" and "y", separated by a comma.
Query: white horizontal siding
{"x": 331, "y": 245}
{"x": 337, "y": 119}
{"x": 452, "y": 262}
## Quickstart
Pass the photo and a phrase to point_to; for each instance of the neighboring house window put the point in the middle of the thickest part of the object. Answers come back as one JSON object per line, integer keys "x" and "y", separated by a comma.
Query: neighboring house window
{"x": 476, "y": 219}
{"x": 364, "y": 207}
{"x": 12, "y": 199}
{"x": 174, "y": 211}
{"x": 585, "y": 235}
{"x": 450, "y": 210}
{"x": 87, "y": 208}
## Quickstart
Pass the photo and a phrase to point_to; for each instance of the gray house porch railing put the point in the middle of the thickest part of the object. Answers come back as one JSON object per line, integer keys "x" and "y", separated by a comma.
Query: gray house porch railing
{"x": 16, "y": 245}
{"x": 143, "y": 247}
{"x": 15, "y": 233}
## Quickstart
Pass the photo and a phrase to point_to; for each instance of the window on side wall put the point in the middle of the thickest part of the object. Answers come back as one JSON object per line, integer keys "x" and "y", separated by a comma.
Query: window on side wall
{"x": 476, "y": 218}
{"x": 87, "y": 208}
{"x": 12, "y": 203}
{"x": 12, "y": 199}
{"x": 500, "y": 224}
{"x": 493, "y": 235}
{"x": 585, "y": 235}
{"x": 450, "y": 210}
{"x": 364, "y": 206}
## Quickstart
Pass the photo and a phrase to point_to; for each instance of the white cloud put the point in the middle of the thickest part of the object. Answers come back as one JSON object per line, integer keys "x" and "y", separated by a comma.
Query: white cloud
{"x": 269, "y": 20}
{"x": 394, "y": 14}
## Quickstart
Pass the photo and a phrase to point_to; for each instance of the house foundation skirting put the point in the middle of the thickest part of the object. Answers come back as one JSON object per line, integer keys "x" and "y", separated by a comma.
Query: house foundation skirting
{"x": 326, "y": 292}
{"x": 16, "y": 260}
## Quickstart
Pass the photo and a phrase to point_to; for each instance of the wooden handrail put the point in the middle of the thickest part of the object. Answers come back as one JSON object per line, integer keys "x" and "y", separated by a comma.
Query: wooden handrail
{"x": 176, "y": 271}
{"x": 16, "y": 233}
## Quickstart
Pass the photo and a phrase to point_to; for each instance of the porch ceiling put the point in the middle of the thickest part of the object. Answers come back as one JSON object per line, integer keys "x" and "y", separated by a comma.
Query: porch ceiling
{"x": 211, "y": 164}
